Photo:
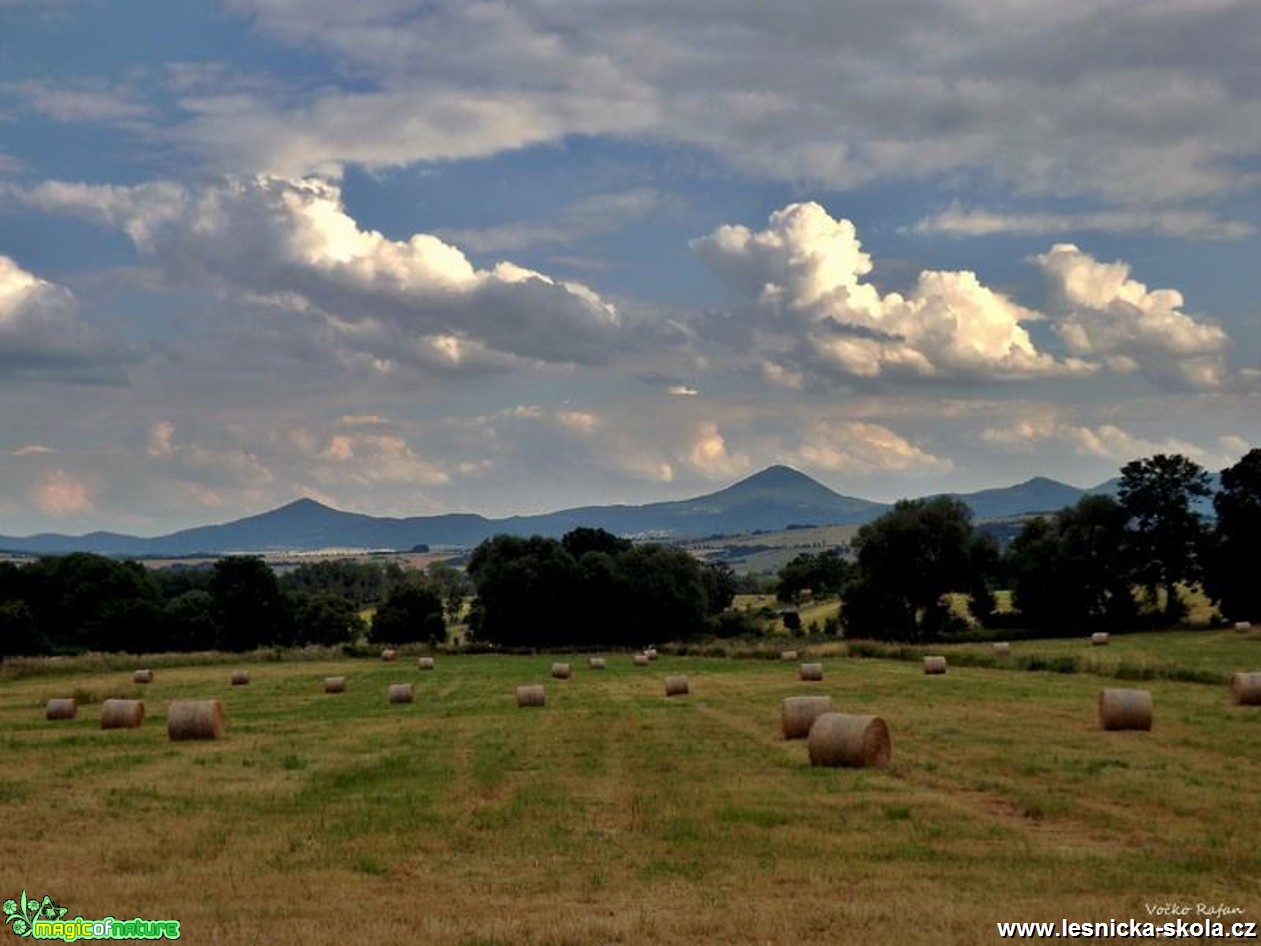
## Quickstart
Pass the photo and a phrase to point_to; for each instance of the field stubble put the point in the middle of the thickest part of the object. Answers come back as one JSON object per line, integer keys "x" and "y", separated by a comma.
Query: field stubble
{"x": 614, "y": 815}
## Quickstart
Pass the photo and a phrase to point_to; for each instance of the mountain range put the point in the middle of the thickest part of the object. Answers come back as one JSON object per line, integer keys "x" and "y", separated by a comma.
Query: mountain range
{"x": 777, "y": 498}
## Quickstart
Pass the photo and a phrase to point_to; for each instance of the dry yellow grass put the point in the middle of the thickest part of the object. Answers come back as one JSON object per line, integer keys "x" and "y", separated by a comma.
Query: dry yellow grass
{"x": 467, "y": 823}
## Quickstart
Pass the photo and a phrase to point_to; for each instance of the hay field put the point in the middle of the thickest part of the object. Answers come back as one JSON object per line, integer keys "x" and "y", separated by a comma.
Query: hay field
{"x": 616, "y": 815}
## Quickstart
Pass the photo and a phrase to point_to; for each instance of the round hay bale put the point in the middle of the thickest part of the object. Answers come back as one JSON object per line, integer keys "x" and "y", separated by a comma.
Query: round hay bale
{"x": 1002, "y": 648}
{"x": 1125, "y": 709}
{"x": 595, "y": 663}
{"x": 401, "y": 693}
{"x": 812, "y": 672}
{"x": 389, "y": 654}
{"x": 561, "y": 671}
{"x": 641, "y": 660}
{"x": 334, "y": 684}
{"x": 240, "y": 678}
{"x": 1243, "y": 625}
{"x": 798, "y": 713}
{"x": 531, "y": 695}
{"x": 1099, "y": 639}
{"x": 934, "y": 665}
{"x": 122, "y": 714}
{"x": 64, "y": 708}
{"x": 650, "y": 653}
{"x": 426, "y": 663}
{"x": 676, "y": 685}
{"x": 1245, "y": 688}
{"x": 142, "y": 676}
{"x": 194, "y": 719}
{"x": 852, "y": 742}
{"x": 788, "y": 655}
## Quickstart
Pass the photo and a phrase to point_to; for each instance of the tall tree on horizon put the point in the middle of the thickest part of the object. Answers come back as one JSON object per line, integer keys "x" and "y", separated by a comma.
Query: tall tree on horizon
{"x": 1231, "y": 575}
{"x": 1167, "y": 534}
{"x": 1071, "y": 572}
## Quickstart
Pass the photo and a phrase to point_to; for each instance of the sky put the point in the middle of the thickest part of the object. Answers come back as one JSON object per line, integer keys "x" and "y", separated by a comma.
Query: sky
{"x": 507, "y": 257}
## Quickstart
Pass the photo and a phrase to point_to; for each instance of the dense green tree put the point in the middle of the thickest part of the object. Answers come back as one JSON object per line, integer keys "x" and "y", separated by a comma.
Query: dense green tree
{"x": 908, "y": 559}
{"x": 719, "y": 582}
{"x": 986, "y": 567}
{"x": 325, "y": 619}
{"x": 19, "y": 634}
{"x": 249, "y": 607}
{"x": 527, "y": 589}
{"x": 533, "y": 592}
{"x": 176, "y": 580}
{"x": 451, "y": 585}
{"x": 578, "y": 542}
{"x": 1073, "y": 571}
{"x": 14, "y": 582}
{"x": 91, "y": 602}
{"x": 822, "y": 573}
{"x": 1167, "y": 533}
{"x": 191, "y": 621}
{"x": 410, "y": 613}
{"x": 135, "y": 625}
{"x": 1231, "y": 577}
{"x": 361, "y": 583}
{"x": 660, "y": 595}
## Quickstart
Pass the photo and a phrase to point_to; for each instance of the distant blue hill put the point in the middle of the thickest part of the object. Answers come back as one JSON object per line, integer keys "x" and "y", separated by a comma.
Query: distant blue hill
{"x": 772, "y": 500}
{"x": 1036, "y": 495}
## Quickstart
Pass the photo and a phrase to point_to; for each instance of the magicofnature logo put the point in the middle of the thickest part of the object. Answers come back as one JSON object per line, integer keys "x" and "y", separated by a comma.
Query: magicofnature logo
{"x": 45, "y": 920}
{"x": 22, "y": 916}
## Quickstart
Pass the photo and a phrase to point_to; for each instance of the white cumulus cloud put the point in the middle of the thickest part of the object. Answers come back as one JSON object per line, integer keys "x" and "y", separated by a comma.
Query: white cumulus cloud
{"x": 42, "y": 334}
{"x": 1109, "y": 314}
{"x": 1104, "y": 441}
{"x": 804, "y": 275}
{"x": 860, "y": 448}
{"x": 293, "y": 242}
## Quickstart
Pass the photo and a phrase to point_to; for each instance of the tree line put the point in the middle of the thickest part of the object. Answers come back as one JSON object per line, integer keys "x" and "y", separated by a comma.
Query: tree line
{"x": 81, "y": 601}
{"x": 1108, "y": 563}
{"x": 589, "y": 588}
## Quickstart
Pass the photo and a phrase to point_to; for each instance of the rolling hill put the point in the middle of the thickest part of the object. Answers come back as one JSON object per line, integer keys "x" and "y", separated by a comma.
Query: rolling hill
{"x": 777, "y": 498}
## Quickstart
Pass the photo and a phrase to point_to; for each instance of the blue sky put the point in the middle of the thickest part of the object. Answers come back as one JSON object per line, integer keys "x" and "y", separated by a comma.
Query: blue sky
{"x": 508, "y": 257}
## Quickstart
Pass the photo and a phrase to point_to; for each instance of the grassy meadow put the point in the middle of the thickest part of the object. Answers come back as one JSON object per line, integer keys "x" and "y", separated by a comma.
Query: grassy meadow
{"x": 614, "y": 815}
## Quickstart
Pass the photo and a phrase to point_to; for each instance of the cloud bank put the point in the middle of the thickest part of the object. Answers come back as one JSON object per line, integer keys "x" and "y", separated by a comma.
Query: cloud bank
{"x": 292, "y": 244}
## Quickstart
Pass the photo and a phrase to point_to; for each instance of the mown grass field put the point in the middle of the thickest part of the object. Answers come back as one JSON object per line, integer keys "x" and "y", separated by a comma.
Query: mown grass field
{"x": 614, "y": 815}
